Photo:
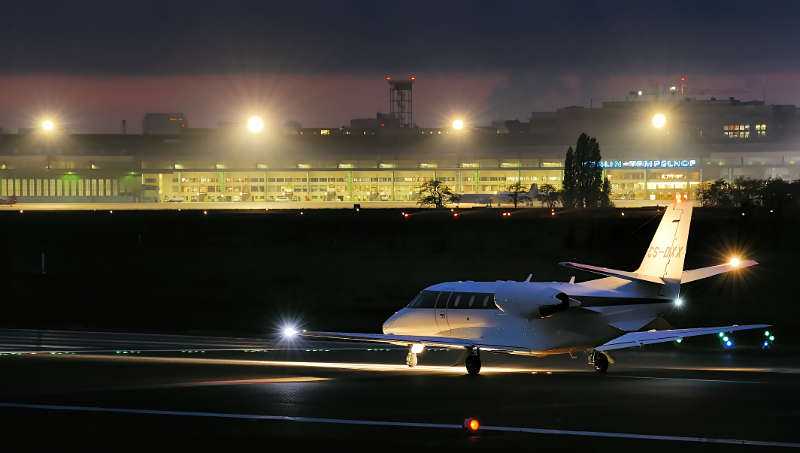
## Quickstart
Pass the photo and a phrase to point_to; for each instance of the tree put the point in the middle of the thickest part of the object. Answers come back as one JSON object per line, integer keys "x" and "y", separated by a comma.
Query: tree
{"x": 434, "y": 193}
{"x": 605, "y": 195}
{"x": 715, "y": 194}
{"x": 568, "y": 185}
{"x": 747, "y": 192}
{"x": 583, "y": 176}
{"x": 517, "y": 192}
{"x": 777, "y": 193}
{"x": 548, "y": 195}
{"x": 741, "y": 193}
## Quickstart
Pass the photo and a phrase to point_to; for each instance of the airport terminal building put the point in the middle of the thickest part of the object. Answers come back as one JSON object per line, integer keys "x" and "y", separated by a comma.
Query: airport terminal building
{"x": 701, "y": 141}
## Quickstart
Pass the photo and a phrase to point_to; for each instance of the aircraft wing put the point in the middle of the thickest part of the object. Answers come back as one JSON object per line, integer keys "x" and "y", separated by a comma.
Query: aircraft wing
{"x": 633, "y": 339}
{"x": 631, "y": 276}
{"x": 406, "y": 340}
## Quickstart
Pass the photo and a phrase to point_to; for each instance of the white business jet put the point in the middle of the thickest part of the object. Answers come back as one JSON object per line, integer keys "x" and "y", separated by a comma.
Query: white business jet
{"x": 545, "y": 318}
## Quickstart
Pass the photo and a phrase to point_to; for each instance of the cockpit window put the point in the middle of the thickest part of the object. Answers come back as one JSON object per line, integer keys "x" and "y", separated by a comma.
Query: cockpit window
{"x": 425, "y": 299}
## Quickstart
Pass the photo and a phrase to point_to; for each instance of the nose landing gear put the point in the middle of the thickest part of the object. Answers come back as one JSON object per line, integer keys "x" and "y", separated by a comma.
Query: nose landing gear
{"x": 411, "y": 359}
{"x": 473, "y": 362}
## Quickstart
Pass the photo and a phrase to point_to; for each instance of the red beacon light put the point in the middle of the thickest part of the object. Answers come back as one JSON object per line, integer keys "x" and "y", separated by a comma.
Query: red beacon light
{"x": 456, "y": 215}
{"x": 472, "y": 425}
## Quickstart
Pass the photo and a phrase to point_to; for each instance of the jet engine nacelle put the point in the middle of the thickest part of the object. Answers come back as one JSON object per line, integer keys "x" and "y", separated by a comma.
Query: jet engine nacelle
{"x": 530, "y": 300}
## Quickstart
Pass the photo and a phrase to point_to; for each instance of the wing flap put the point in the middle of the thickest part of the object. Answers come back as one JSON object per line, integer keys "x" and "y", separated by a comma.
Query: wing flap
{"x": 634, "y": 339}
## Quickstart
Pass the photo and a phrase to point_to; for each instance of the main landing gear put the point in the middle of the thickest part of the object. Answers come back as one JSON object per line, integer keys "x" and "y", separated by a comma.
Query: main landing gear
{"x": 599, "y": 360}
{"x": 473, "y": 362}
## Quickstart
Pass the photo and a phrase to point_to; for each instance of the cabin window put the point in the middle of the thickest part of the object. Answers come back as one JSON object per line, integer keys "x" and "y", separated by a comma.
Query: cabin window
{"x": 441, "y": 301}
{"x": 454, "y": 301}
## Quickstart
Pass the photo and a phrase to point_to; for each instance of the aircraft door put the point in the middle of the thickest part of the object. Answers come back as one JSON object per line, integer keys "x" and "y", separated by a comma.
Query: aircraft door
{"x": 440, "y": 311}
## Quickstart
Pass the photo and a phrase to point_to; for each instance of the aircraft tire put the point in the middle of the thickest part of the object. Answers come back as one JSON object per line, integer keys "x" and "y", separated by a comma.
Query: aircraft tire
{"x": 600, "y": 362}
{"x": 473, "y": 364}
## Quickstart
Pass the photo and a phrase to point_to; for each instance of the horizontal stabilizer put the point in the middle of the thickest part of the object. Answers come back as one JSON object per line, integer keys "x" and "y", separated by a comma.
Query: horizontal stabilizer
{"x": 705, "y": 272}
{"x": 633, "y": 339}
{"x": 632, "y": 276}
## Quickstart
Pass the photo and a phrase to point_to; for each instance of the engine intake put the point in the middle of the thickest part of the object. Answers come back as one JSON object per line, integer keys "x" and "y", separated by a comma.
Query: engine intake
{"x": 530, "y": 300}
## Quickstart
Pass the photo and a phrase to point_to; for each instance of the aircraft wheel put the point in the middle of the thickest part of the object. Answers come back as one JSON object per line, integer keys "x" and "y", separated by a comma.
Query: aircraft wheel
{"x": 473, "y": 364}
{"x": 411, "y": 360}
{"x": 600, "y": 362}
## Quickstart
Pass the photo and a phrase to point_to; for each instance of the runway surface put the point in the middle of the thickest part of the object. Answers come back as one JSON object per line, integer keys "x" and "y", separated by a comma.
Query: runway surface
{"x": 341, "y": 396}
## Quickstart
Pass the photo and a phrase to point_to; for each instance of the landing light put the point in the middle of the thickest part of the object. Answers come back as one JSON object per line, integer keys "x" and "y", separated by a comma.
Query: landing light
{"x": 735, "y": 262}
{"x": 678, "y": 302}
{"x": 679, "y": 340}
{"x": 417, "y": 348}
{"x": 289, "y": 332}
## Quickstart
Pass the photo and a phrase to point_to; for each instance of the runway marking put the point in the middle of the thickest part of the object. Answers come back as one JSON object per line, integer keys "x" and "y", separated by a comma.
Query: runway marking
{"x": 396, "y": 424}
{"x": 275, "y": 380}
{"x": 661, "y": 378}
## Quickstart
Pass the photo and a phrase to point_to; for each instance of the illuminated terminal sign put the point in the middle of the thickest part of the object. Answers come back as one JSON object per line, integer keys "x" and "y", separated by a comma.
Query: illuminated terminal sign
{"x": 684, "y": 163}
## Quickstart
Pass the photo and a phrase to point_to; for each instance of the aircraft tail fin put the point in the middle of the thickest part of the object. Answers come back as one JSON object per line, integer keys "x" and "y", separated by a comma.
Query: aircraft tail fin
{"x": 664, "y": 258}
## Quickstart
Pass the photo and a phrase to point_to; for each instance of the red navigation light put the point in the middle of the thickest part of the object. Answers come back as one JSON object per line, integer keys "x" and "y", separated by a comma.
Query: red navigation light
{"x": 472, "y": 425}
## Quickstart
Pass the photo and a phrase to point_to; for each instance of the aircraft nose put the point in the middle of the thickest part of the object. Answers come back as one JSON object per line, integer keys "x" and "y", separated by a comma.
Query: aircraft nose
{"x": 390, "y": 323}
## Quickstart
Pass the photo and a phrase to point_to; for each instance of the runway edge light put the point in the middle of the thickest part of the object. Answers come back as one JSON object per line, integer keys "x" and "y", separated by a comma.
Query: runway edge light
{"x": 472, "y": 425}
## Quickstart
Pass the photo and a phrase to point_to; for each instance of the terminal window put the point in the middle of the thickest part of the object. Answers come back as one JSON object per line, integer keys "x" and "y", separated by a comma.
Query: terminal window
{"x": 737, "y": 131}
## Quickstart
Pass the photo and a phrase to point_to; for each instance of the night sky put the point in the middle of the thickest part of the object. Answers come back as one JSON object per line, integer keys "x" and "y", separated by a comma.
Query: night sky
{"x": 93, "y": 63}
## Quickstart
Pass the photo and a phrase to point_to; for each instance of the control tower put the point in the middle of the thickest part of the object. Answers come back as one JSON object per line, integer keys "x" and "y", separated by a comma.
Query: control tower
{"x": 401, "y": 100}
